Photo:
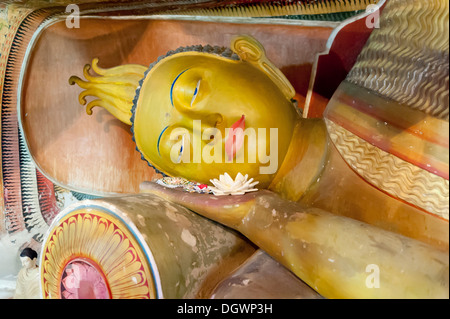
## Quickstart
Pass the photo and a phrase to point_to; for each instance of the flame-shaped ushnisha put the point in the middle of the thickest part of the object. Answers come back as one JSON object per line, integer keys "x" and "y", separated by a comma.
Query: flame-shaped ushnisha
{"x": 115, "y": 88}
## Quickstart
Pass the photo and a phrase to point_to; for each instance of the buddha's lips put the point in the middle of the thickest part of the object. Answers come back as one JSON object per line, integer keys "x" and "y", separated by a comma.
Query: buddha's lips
{"x": 235, "y": 138}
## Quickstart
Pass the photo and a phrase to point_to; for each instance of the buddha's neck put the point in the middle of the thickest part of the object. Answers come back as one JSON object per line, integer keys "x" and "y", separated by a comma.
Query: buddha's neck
{"x": 304, "y": 159}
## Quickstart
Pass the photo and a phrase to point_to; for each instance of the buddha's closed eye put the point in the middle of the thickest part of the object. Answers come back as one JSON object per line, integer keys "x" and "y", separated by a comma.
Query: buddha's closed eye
{"x": 173, "y": 84}
{"x": 197, "y": 87}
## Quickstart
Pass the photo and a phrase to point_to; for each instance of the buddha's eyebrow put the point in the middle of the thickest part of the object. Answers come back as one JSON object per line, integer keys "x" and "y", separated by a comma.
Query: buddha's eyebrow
{"x": 173, "y": 83}
{"x": 159, "y": 139}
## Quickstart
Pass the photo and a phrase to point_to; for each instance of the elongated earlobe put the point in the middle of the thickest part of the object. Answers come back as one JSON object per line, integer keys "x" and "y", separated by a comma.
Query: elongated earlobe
{"x": 250, "y": 50}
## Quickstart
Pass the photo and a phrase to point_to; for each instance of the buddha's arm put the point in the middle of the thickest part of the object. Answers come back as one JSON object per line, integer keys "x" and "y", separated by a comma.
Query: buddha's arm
{"x": 337, "y": 256}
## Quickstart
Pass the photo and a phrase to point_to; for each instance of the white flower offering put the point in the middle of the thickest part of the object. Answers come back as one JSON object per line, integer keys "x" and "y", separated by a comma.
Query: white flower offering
{"x": 225, "y": 185}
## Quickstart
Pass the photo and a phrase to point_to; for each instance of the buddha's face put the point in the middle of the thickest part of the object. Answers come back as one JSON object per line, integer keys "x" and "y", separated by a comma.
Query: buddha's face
{"x": 189, "y": 101}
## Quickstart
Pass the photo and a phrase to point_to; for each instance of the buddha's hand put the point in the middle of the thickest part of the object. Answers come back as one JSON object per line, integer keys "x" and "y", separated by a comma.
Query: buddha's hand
{"x": 227, "y": 210}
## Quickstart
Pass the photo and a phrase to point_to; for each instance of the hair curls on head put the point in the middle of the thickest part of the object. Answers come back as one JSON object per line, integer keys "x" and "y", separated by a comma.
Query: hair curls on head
{"x": 29, "y": 252}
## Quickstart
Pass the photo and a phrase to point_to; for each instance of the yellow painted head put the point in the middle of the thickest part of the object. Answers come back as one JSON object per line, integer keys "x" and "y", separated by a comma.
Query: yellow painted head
{"x": 201, "y": 111}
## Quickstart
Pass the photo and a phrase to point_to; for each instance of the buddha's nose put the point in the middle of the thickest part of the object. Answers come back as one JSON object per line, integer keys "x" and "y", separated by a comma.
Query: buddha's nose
{"x": 208, "y": 120}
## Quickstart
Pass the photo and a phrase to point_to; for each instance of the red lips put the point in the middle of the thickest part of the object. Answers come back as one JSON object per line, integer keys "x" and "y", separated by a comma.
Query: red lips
{"x": 235, "y": 138}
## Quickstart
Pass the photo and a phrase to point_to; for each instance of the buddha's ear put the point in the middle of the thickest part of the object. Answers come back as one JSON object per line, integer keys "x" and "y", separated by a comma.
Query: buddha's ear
{"x": 250, "y": 50}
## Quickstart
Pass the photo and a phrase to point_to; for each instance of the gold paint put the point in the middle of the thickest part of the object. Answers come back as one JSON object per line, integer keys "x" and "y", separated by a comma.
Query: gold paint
{"x": 166, "y": 103}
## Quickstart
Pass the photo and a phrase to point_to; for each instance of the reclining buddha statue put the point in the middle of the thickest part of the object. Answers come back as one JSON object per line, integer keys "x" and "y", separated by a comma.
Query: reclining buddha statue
{"x": 366, "y": 185}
